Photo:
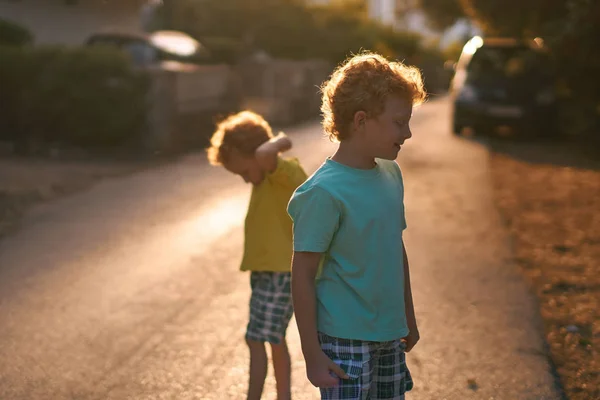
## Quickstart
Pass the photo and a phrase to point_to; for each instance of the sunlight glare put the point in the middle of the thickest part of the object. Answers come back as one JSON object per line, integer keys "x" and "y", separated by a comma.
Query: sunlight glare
{"x": 175, "y": 42}
{"x": 472, "y": 45}
{"x": 218, "y": 219}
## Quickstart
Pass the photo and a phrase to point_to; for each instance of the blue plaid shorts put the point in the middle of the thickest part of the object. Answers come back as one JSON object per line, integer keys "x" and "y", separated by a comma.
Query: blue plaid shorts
{"x": 271, "y": 307}
{"x": 377, "y": 370}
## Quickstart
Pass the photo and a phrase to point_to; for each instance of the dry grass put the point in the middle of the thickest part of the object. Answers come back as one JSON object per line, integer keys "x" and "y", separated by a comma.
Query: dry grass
{"x": 553, "y": 213}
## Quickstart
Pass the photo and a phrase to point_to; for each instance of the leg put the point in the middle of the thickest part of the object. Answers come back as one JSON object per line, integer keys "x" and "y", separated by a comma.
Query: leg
{"x": 258, "y": 369}
{"x": 255, "y": 341}
{"x": 270, "y": 312}
{"x": 278, "y": 311}
{"x": 282, "y": 366}
{"x": 391, "y": 378}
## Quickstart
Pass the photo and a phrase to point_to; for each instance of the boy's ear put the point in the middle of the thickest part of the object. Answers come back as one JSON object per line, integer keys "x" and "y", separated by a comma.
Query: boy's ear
{"x": 360, "y": 117}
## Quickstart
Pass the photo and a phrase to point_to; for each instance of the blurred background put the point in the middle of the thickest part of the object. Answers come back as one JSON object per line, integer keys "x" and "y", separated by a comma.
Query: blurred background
{"x": 214, "y": 57}
{"x": 110, "y": 292}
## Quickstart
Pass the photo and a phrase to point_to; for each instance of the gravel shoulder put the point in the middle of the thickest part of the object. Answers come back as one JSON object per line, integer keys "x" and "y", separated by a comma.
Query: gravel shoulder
{"x": 549, "y": 197}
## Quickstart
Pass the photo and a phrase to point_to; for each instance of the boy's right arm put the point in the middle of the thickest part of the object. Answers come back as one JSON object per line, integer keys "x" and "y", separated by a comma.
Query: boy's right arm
{"x": 267, "y": 153}
{"x": 318, "y": 366}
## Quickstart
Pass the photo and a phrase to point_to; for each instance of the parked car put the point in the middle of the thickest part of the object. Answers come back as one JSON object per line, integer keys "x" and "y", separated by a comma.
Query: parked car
{"x": 153, "y": 48}
{"x": 504, "y": 82}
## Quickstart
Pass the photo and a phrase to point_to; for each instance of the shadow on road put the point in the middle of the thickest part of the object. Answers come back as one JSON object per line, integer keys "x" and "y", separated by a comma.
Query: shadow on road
{"x": 559, "y": 152}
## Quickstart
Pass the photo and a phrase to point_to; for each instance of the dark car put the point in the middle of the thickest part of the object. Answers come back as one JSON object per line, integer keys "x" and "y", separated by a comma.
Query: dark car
{"x": 504, "y": 82}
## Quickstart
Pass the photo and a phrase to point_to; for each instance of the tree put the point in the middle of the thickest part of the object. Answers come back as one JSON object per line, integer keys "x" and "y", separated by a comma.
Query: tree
{"x": 12, "y": 34}
{"x": 575, "y": 42}
{"x": 290, "y": 28}
{"x": 442, "y": 14}
{"x": 496, "y": 17}
{"x": 571, "y": 30}
{"x": 514, "y": 17}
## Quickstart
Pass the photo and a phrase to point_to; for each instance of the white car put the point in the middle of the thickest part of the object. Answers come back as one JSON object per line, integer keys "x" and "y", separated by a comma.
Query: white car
{"x": 153, "y": 48}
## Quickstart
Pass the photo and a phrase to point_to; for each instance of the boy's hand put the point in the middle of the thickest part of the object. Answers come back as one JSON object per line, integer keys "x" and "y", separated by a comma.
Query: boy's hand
{"x": 319, "y": 369}
{"x": 412, "y": 339}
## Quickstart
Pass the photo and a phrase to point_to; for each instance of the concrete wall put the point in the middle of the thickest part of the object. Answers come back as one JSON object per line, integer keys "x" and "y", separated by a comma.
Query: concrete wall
{"x": 185, "y": 102}
{"x": 54, "y": 22}
{"x": 283, "y": 91}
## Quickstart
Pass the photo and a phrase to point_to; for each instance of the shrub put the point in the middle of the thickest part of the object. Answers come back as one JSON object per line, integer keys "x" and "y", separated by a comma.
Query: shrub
{"x": 12, "y": 34}
{"x": 88, "y": 97}
{"x": 223, "y": 50}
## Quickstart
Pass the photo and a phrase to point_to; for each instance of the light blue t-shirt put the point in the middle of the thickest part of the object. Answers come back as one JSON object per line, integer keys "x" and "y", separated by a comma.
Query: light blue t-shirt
{"x": 355, "y": 218}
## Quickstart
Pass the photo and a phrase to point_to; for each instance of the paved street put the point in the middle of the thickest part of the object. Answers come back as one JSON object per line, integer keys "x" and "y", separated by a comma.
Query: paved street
{"x": 130, "y": 290}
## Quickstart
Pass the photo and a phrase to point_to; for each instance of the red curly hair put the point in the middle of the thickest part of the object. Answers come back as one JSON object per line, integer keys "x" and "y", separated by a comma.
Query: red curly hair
{"x": 363, "y": 83}
{"x": 244, "y": 131}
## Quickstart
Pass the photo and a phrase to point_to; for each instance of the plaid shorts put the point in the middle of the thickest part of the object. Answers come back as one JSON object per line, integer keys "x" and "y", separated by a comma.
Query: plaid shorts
{"x": 270, "y": 306}
{"x": 377, "y": 370}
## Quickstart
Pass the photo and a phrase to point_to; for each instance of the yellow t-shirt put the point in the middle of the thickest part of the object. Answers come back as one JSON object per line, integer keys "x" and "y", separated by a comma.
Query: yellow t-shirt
{"x": 268, "y": 228}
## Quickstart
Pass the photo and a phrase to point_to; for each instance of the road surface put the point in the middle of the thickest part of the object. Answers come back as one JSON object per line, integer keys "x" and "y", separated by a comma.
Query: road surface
{"x": 130, "y": 290}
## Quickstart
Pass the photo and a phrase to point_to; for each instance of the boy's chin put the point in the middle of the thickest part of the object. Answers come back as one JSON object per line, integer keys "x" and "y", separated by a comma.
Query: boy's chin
{"x": 391, "y": 156}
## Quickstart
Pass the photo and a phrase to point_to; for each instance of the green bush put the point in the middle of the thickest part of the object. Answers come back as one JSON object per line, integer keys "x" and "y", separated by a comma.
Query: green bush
{"x": 289, "y": 32}
{"x": 88, "y": 97}
{"x": 12, "y": 34}
{"x": 223, "y": 50}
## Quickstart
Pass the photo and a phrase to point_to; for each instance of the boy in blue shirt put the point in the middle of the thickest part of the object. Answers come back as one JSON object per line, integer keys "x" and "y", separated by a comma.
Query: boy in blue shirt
{"x": 350, "y": 275}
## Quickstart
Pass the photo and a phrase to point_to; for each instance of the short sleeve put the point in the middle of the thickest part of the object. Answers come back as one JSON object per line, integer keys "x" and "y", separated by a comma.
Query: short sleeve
{"x": 288, "y": 172}
{"x": 316, "y": 217}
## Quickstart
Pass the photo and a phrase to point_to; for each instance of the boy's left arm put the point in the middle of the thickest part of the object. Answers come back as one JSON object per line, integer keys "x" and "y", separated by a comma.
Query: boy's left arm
{"x": 267, "y": 153}
{"x": 413, "y": 336}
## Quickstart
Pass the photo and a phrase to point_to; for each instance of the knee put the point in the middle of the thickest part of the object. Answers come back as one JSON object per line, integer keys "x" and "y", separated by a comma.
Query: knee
{"x": 255, "y": 345}
{"x": 279, "y": 347}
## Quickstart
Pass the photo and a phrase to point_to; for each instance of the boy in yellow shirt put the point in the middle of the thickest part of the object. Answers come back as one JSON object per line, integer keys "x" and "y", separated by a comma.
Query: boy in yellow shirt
{"x": 244, "y": 145}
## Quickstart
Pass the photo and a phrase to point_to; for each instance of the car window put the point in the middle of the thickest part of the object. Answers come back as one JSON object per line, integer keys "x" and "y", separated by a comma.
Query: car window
{"x": 505, "y": 62}
{"x": 141, "y": 53}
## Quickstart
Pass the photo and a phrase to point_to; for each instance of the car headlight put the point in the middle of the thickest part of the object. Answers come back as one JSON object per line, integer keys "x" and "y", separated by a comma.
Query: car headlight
{"x": 467, "y": 93}
{"x": 545, "y": 96}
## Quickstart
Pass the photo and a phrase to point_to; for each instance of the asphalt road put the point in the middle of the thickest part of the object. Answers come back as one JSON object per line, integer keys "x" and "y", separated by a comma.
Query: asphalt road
{"x": 131, "y": 289}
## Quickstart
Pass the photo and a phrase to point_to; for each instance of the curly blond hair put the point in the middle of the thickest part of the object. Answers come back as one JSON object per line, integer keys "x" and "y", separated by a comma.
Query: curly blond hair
{"x": 244, "y": 131}
{"x": 363, "y": 83}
